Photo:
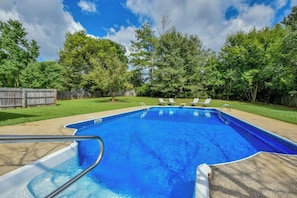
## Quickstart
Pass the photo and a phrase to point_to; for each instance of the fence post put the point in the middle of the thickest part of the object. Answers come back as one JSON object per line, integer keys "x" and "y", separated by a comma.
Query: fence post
{"x": 24, "y": 98}
{"x": 55, "y": 96}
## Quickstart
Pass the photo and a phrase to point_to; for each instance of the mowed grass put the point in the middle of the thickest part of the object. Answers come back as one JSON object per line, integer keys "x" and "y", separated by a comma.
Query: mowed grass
{"x": 65, "y": 108}
{"x": 82, "y": 106}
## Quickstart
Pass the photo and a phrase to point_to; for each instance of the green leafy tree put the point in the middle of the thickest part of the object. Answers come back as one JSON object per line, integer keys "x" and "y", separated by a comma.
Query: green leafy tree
{"x": 48, "y": 74}
{"x": 213, "y": 79}
{"x": 106, "y": 69}
{"x": 273, "y": 71}
{"x": 288, "y": 76}
{"x": 180, "y": 65}
{"x": 109, "y": 74}
{"x": 136, "y": 78}
{"x": 175, "y": 62}
{"x": 75, "y": 57}
{"x": 169, "y": 78}
{"x": 248, "y": 60}
{"x": 196, "y": 64}
{"x": 231, "y": 57}
{"x": 143, "y": 51}
{"x": 16, "y": 52}
{"x": 288, "y": 51}
{"x": 291, "y": 19}
{"x": 79, "y": 51}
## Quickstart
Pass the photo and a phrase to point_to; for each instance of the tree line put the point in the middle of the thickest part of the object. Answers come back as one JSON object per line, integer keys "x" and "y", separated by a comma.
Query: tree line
{"x": 259, "y": 65}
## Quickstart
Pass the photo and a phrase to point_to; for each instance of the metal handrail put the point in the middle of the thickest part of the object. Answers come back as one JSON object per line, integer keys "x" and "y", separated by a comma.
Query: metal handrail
{"x": 227, "y": 106}
{"x": 57, "y": 138}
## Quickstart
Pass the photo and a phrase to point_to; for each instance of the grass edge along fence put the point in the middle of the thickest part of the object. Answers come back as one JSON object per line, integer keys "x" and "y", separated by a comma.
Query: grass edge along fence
{"x": 23, "y": 97}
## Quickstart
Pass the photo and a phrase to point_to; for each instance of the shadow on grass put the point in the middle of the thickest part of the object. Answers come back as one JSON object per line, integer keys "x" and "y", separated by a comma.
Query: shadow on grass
{"x": 109, "y": 100}
{"x": 8, "y": 116}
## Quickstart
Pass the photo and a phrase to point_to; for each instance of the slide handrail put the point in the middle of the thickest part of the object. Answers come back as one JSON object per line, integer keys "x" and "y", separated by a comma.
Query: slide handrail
{"x": 57, "y": 138}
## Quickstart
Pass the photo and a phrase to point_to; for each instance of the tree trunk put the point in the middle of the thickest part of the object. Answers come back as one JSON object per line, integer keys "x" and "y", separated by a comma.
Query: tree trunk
{"x": 254, "y": 92}
{"x": 112, "y": 97}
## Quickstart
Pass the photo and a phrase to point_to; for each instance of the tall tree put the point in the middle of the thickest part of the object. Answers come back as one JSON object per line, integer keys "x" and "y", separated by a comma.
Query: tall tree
{"x": 79, "y": 51}
{"x": 213, "y": 78}
{"x": 107, "y": 68}
{"x": 143, "y": 51}
{"x": 180, "y": 65}
{"x": 231, "y": 57}
{"x": 109, "y": 74}
{"x": 291, "y": 19}
{"x": 170, "y": 72}
{"x": 249, "y": 58}
{"x": 75, "y": 57}
{"x": 48, "y": 74}
{"x": 289, "y": 51}
{"x": 176, "y": 62}
{"x": 16, "y": 52}
{"x": 288, "y": 76}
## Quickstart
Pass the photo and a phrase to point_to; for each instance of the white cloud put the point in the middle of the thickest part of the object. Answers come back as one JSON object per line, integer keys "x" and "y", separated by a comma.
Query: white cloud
{"x": 112, "y": 30}
{"x": 204, "y": 18}
{"x": 45, "y": 21}
{"x": 293, "y": 3}
{"x": 6, "y": 4}
{"x": 123, "y": 36}
{"x": 280, "y": 3}
{"x": 258, "y": 15}
{"x": 87, "y": 6}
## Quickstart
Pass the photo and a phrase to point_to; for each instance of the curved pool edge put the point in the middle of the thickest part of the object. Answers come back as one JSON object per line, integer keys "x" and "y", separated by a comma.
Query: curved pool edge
{"x": 99, "y": 118}
{"x": 14, "y": 183}
{"x": 265, "y": 174}
{"x": 248, "y": 157}
{"x": 267, "y": 132}
{"x": 204, "y": 173}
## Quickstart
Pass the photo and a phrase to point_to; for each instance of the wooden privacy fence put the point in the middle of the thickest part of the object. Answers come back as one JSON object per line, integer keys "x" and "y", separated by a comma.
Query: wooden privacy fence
{"x": 77, "y": 94}
{"x": 289, "y": 100}
{"x": 81, "y": 93}
{"x": 18, "y": 97}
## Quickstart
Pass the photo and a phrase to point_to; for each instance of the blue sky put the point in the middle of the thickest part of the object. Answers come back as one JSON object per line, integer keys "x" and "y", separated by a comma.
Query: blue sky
{"x": 47, "y": 21}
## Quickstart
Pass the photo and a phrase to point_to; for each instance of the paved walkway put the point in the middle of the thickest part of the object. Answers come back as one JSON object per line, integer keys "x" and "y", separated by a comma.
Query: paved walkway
{"x": 264, "y": 175}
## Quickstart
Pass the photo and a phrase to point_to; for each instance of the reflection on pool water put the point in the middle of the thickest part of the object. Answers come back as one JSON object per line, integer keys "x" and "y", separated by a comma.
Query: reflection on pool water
{"x": 155, "y": 152}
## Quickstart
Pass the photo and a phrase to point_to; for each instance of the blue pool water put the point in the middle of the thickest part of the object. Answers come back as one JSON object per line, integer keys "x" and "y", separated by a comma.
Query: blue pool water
{"x": 155, "y": 152}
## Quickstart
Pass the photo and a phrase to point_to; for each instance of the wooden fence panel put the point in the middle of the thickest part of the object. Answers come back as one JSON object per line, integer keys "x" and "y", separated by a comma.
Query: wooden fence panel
{"x": 289, "y": 100}
{"x": 18, "y": 97}
{"x": 37, "y": 97}
{"x": 81, "y": 93}
{"x": 77, "y": 94}
{"x": 11, "y": 97}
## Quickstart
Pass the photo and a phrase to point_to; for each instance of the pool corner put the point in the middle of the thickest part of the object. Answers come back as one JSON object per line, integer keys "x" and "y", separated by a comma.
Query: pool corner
{"x": 203, "y": 172}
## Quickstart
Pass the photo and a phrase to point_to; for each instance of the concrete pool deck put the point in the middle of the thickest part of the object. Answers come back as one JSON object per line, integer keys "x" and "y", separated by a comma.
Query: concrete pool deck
{"x": 263, "y": 175}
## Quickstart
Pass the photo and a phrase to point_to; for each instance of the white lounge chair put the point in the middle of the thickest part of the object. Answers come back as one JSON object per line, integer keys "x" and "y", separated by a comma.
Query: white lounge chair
{"x": 171, "y": 101}
{"x": 161, "y": 101}
{"x": 206, "y": 102}
{"x": 195, "y": 101}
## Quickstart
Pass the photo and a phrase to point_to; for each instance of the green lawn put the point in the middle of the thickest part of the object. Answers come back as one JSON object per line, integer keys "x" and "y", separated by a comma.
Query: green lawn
{"x": 83, "y": 106}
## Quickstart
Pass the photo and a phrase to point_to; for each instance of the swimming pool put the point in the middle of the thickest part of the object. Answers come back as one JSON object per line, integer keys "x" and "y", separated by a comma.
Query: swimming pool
{"x": 155, "y": 152}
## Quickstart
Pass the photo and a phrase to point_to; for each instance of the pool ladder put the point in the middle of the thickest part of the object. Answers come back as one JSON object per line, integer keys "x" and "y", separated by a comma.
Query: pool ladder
{"x": 225, "y": 106}
{"x": 228, "y": 108}
{"x": 57, "y": 138}
{"x": 142, "y": 104}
